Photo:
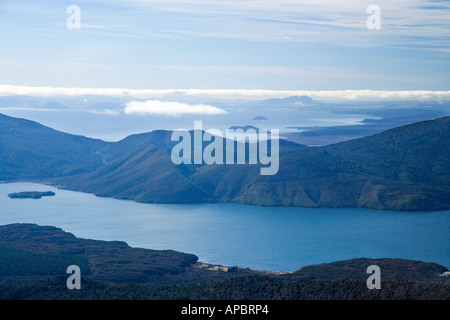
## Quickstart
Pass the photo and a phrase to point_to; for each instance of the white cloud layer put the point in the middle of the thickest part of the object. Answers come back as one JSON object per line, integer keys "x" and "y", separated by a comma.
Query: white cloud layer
{"x": 325, "y": 95}
{"x": 168, "y": 108}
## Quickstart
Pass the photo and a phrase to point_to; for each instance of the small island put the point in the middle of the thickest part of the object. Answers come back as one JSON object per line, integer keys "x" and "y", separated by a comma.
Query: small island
{"x": 31, "y": 194}
{"x": 260, "y": 118}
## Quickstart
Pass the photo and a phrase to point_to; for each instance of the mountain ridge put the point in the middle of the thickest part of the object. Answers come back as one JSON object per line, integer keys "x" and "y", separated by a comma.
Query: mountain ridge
{"x": 404, "y": 168}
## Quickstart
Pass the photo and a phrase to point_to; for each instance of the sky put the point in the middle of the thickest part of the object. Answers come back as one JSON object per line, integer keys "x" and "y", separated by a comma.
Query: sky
{"x": 223, "y": 45}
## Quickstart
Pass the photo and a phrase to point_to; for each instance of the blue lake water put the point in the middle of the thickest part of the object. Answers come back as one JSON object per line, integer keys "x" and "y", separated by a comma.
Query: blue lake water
{"x": 264, "y": 238}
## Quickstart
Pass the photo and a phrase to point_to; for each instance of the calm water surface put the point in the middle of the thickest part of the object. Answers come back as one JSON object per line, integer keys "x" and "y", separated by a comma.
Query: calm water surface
{"x": 231, "y": 234}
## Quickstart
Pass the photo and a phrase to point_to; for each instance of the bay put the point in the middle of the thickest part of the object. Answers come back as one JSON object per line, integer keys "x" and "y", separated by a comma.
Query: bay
{"x": 266, "y": 238}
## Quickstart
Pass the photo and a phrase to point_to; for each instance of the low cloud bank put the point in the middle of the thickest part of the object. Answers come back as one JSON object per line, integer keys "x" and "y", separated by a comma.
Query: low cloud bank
{"x": 326, "y": 95}
{"x": 167, "y": 108}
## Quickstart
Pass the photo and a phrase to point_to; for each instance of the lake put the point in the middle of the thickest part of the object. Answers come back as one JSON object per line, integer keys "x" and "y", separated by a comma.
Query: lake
{"x": 266, "y": 238}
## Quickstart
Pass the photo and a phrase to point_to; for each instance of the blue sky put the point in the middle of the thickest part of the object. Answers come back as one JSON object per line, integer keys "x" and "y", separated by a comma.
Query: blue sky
{"x": 246, "y": 44}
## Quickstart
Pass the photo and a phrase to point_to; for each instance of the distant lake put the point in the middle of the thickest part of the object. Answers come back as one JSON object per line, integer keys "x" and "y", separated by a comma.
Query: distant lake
{"x": 114, "y": 127}
{"x": 264, "y": 238}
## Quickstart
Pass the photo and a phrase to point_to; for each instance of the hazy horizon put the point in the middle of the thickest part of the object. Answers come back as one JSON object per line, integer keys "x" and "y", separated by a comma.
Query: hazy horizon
{"x": 263, "y": 45}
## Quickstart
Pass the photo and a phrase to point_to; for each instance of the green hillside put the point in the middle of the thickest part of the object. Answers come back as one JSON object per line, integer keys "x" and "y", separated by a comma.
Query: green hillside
{"x": 112, "y": 261}
{"x": 368, "y": 172}
{"x": 29, "y": 150}
{"x": 405, "y": 168}
{"x": 15, "y": 262}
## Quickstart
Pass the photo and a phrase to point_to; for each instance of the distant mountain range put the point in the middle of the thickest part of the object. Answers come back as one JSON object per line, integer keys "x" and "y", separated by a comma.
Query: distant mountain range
{"x": 405, "y": 168}
{"x": 292, "y": 101}
{"x": 378, "y": 119}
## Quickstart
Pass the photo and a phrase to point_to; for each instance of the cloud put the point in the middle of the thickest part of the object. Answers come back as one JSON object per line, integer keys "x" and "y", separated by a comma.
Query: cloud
{"x": 108, "y": 112}
{"x": 331, "y": 21}
{"x": 255, "y": 94}
{"x": 341, "y": 22}
{"x": 330, "y": 95}
{"x": 167, "y": 108}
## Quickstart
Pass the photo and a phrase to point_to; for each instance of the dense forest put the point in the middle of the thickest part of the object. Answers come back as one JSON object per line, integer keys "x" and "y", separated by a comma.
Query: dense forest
{"x": 239, "y": 288}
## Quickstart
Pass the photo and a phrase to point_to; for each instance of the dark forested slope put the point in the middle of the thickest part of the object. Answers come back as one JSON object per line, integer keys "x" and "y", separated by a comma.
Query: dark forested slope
{"x": 405, "y": 168}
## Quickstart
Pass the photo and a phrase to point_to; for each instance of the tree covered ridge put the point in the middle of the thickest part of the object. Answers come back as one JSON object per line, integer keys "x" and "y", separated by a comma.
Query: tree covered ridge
{"x": 238, "y": 288}
{"x": 405, "y": 168}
